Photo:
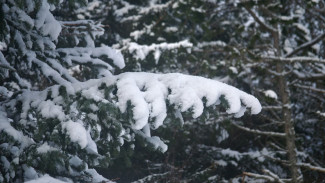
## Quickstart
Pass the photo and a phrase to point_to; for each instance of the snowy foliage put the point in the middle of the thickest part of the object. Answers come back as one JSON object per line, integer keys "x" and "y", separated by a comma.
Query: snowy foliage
{"x": 63, "y": 111}
{"x": 274, "y": 45}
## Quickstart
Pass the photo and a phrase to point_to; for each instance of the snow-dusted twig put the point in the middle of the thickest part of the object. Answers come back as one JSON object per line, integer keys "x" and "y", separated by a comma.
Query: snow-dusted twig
{"x": 311, "y": 167}
{"x": 309, "y": 88}
{"x": 293, "y": 59}
{"x": 259, "y": 132}
{"x": 151, "y": 177}
{"x": 273, "y": 175}
{"x": 308, "y": 76}
{"x": 259, "y": 21}
{"x": 272, "y": 107}
{"x": 259, "y": 176}
{"x": 277, "y": 73}
{"x": 306, "y": 45}
{"x": 277, "y": 147}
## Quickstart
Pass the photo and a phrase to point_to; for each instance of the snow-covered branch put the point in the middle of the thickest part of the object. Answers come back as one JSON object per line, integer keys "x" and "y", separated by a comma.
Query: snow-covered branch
{"x": 259, "y": 176}
{"x": 141, "y": 51}
{"x": 311, "y": 167}
{"x": 186, "y": 92}
{"x": 310, "y": 88}
{"x": 272, "y": 107}
{"x": 261, "y": 22}
{"x": 306, "y": 45}
{"x": 293, "y": 59}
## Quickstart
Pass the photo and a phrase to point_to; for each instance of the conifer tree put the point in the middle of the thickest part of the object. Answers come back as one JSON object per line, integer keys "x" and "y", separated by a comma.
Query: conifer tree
{"x": 64, "y": 113}
{"x": 273, "y": 49}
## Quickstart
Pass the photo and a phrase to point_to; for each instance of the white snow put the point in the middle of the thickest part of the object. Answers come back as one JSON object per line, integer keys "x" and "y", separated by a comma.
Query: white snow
{"x": 221, "y": 162}
{"x": 97, "y": 178}
{"x": 124, "y": 10}
{"x": 155, "y": 141}
{"x": 304, "y": 29}
{"x": 148, "y": 92}
{"x": 21, "y": 44}
{"x": 321, "y": 113}
{"x": 44, "y": 148}
{"x": 5, "y": 162}
{"x": 233, "y": 70}
{"x": 76, "y": 132}
{"x": 141, "y": 51}
{"x": 49, "y": 110}
{"x": 91, "y": 145}
{"x": 29, "y": 173}
{"x": 271, "y": 94}
{"x": 85, "y": 55}
{"x": 3, "y": 46}
{"x": 287, "y": 46}
{"x": 75, "y": 161}
{"x": 24, "y": 17}
{"x": 45, "y": 179}
{"x": 211, "y": 43}
{"x": 6, "y": 127}
{"x": 171, "y": 29}
{"x": 46, "y": 22}
{"x": 154, "y": 7}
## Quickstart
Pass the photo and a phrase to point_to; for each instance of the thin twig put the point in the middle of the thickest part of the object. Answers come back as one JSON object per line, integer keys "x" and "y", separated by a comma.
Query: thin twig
{"x": 259, "y": 21}
{"x": 276, "y": 134}
{"x": 310, "y": 88}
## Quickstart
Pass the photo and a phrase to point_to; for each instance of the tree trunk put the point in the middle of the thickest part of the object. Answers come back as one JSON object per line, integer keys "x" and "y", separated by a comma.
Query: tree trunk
{"x": 286, "y": 112}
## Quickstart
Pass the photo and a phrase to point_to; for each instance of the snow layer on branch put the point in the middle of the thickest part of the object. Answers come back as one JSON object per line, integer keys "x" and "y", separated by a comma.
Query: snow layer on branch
{"x": 44, "y": 148}
{"x": 97, "y": 177}
{"x": 141, "y": 51}
{"x": 5, "y": 127}
{"x": 84, "y": 55}
{"x": 271, "y": 94}
{"x": 152, "y": 7}
{"x": 211, "y": 43}
{"x": 76, "y": 132}
{"x": 148, "y": 94}
{"x": 46, "y": 22}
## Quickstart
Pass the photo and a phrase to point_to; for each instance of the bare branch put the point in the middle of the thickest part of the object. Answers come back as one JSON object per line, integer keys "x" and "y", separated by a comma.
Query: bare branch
{"x": 276, "y": 134}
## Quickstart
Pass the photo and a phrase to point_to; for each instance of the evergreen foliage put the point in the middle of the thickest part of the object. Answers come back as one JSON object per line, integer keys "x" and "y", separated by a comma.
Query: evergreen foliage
{"x": 63, "y": 113}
